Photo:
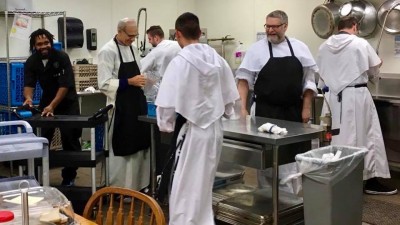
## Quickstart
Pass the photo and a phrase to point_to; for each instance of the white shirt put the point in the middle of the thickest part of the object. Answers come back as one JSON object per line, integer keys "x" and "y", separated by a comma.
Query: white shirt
{"x": 258, "y": 55}
{"x": 159, "y": 57}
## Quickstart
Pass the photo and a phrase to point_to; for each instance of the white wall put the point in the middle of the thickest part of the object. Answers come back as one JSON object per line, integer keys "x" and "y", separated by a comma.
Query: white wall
{"x": 100, "y": 14}
{"x": 243, "y": 18}
{"x": 239, "y": 18}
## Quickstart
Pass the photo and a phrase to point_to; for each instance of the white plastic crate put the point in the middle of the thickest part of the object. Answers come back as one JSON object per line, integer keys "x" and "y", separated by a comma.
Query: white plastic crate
{"x": 85, "y": 76}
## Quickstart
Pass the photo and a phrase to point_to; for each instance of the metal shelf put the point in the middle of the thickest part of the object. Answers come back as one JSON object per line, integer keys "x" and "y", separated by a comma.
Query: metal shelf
{"x": 33, "y": 14}
{"x": 7, "y": 59}
{"x": 4, "y": 59}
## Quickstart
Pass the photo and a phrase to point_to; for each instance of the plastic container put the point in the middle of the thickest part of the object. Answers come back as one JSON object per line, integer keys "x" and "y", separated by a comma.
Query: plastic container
{"x": 48, "y": 199}
{"x": 332, "y": 187}
{"x": 16, "y": 85}
{"x": 57, "y": 46}
{"x": 25, "y": 146}
{"x": 151, "y": 109}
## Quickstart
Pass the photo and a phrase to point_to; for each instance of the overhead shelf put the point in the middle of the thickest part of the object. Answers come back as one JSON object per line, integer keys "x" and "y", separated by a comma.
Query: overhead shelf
{"x": 33, "y": 14}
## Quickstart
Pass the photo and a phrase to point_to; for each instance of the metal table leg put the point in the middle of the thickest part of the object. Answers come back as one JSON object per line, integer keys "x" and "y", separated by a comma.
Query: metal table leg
{"x": 275, "y": 185}
{"x": 93, "y": 157}
{"x": 153, "y": 175}
{"x": 107, "y": 148}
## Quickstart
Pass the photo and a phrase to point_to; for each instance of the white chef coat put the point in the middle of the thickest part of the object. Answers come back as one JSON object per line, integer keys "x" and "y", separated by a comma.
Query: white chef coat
{"x": 199, "y": 85}
{"x": 131, "y": 171}
{"x": 346, "y": 60}
{"x": 159, "y": 57}
{"x": 155, "y": 63}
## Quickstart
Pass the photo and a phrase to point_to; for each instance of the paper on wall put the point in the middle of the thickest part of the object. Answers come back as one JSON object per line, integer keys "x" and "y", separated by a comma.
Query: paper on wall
{"x": 21, "y": 27}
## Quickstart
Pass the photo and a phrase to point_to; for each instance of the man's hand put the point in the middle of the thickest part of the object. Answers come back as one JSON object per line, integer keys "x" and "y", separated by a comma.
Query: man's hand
{"x": 48, "y": 111}
{"x": 244, "y": 113}
{"x": 29, "y": 102}
{"x": 306, "y": 115}
{"x": 138, "y": 81}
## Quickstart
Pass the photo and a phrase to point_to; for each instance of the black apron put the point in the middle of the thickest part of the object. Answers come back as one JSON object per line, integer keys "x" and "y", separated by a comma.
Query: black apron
{"x": 129, "y": 134}
{"x": 278, "y": 90}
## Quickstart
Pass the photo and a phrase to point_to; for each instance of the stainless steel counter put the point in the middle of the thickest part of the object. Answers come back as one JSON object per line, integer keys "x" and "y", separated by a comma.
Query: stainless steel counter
{"x": 247, "y": 131}
{"x": 386, "y": 88}
{"x": 242, "y": 137}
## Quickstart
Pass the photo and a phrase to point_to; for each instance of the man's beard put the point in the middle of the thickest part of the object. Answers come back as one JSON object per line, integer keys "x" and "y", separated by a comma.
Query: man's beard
{"x": 45, "y": 55}
{"x": 275, "y": 39}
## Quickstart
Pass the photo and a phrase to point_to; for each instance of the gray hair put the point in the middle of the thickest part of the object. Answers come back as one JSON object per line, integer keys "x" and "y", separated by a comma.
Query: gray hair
{"x": 123, "y": 23}
{"x": 280, "y": 15}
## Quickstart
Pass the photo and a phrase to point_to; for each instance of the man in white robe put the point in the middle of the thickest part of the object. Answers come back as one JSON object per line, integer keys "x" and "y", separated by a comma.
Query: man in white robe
{"x": 199, "y": 85}
{"x": 346, "y": 62}
{"x": 281, "y": 71}
{"x": 129, "y": 165}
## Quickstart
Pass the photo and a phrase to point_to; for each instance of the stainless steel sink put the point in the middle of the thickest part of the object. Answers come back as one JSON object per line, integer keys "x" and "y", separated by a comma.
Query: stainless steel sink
{"x": 388, "y": 86}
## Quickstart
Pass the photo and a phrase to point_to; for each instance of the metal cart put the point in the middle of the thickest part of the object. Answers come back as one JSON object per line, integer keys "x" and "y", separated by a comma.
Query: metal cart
{"x": 25, "y": 145}
{"x": 81, "y": 158}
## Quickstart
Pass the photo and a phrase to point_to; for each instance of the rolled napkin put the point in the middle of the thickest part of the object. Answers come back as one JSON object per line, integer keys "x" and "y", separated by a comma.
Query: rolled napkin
{"x": 272, "y": 128}
{"x": 90, "y": 89}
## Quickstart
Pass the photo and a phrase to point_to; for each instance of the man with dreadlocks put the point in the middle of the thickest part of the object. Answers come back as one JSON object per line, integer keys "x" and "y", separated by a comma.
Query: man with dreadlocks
{"x": 53, "y": 70}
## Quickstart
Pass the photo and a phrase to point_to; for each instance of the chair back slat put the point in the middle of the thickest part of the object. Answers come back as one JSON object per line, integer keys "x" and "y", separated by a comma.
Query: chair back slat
{"x": 120, "y": 213}
{"x": 110, "y": 212}
{"x": 142, "y": 209}
{"x": 99, "y": 212}
{"x": 131, "y": 214}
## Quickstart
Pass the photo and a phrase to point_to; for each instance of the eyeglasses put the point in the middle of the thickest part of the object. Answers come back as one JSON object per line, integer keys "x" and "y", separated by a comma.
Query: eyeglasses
{"x": 266, "y": 26}
{"x": 131, "y": 36}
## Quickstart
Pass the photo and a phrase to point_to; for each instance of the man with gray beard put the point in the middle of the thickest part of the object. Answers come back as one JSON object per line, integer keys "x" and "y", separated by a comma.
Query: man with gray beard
{"x": 282, "y": 72}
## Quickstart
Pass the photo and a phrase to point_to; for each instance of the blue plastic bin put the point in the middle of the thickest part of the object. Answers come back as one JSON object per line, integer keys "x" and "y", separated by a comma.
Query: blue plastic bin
{"x": 16, "y": 85}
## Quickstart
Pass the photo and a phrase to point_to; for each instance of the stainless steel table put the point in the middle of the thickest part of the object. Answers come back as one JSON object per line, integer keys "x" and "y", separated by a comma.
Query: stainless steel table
{"x": 245, "y": 131}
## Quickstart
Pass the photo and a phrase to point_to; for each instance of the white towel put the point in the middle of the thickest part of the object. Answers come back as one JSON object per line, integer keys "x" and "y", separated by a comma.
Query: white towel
{"x": 90, "y": 89}
{"x": 272, "y": 128}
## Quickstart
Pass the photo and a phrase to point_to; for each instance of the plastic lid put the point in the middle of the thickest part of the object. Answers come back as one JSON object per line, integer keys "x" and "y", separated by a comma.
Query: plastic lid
{"x": 6, "y": 216}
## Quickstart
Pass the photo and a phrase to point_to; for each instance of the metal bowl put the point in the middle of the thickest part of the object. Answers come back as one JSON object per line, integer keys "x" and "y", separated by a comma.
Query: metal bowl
{"x": 392, "y": 23}
{"x": 365, "y": 12}
{"x": 324, "y": 19}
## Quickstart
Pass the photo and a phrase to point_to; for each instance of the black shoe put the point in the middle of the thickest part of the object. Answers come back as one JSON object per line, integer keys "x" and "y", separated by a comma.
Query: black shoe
{"x": 68, "y": 183}
{"x": 374, "y": 187}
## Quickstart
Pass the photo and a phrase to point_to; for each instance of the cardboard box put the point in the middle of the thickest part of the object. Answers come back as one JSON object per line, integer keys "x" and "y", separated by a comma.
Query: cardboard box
{"x": 16, "y": 5}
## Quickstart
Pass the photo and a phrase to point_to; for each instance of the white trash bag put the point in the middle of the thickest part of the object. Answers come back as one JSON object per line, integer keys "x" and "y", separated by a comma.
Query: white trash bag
{"x": 327, "y": 165}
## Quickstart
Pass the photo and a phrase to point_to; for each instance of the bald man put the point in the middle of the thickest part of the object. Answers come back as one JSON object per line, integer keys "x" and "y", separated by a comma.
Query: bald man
{"x": 120, "y": 79}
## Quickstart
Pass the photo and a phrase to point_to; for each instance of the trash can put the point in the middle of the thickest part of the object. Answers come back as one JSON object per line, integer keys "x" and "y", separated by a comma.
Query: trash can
{"x": 332, "y": 186}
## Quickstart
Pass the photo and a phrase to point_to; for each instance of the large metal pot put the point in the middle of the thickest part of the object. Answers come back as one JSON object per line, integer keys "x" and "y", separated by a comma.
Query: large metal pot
{"x": 324, "y": 19}
{"x": 390, "y": 11}
{"x": 364, "y": 11}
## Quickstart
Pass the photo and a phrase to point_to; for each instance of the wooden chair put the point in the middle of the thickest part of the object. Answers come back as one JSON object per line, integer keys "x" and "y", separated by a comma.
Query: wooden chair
{"x": 141, "y": 210}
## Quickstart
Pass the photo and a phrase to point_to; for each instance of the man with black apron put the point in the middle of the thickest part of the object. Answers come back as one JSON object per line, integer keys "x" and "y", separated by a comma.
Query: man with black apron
{"x": 120, "y": 80}
{"x": 282, "y": 71}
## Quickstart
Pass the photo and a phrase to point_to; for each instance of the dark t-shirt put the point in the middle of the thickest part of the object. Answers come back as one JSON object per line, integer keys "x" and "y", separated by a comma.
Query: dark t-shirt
{"x": 57, "y": 73}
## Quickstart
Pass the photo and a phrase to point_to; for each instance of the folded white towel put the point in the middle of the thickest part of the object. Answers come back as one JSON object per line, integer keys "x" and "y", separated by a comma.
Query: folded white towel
{"x": 90, "y": 89}
{"x": 272, "y": 128}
